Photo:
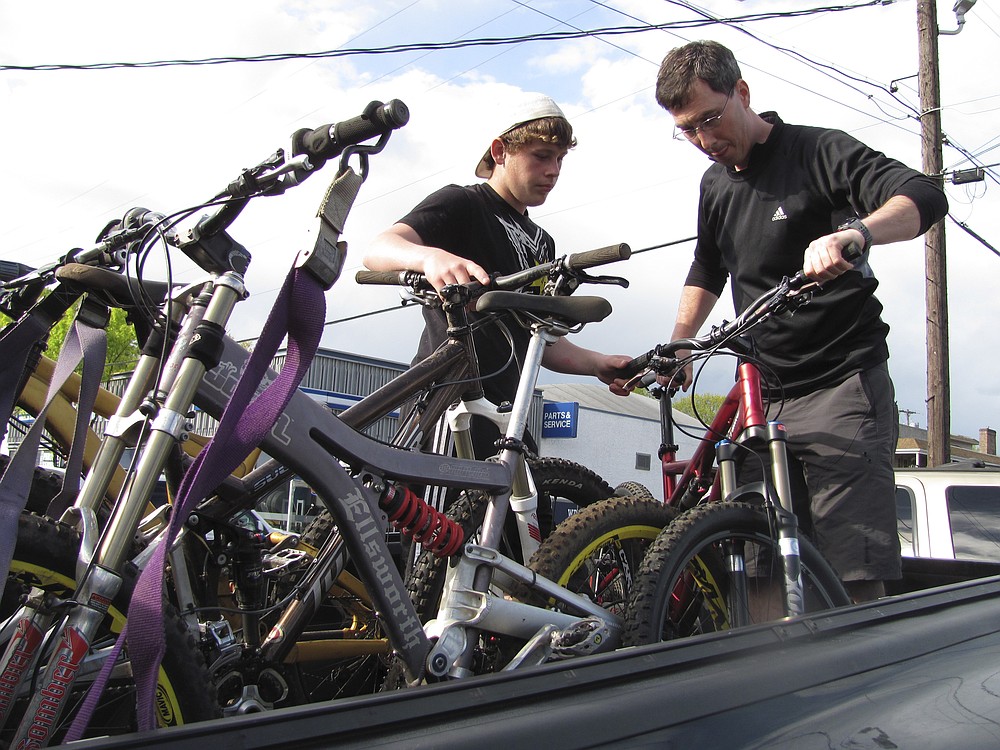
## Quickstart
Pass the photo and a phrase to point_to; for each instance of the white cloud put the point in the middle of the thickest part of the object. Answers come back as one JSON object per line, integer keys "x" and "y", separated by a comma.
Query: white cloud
{"x": 83, "y": 147}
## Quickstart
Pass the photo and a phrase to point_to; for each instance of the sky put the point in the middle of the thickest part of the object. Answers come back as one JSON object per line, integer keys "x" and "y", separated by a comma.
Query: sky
{"x": 84, "y": 146}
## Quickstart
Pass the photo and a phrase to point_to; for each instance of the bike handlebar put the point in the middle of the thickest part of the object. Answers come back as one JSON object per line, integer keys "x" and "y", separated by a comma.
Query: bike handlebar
{"x": 329, "y": 141}
{"x": 575, "y": 262}
{"x": 728, "y": 334}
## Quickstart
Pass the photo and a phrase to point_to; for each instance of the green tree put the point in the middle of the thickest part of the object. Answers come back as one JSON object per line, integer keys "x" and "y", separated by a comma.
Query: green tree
{"x": 702, "y": 405}
{"x": 123, "y": 351}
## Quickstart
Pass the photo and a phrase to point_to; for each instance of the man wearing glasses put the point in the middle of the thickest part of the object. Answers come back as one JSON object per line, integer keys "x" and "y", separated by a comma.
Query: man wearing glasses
{"x": 777, "y": 199}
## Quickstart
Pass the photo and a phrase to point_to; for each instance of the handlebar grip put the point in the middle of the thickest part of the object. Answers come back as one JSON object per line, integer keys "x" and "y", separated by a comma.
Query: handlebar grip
{"x": 639, "y": 363}
{"x": 852, "y": 252}
{"x": 10, "y": 270}
{"x": 599, "y": 257}
{"x": 385, "y": 278}
{"x": 328, "y": 141}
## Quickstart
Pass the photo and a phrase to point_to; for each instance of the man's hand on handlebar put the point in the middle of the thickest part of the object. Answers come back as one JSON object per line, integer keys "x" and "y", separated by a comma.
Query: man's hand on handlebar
{"x": 824, "y": 258}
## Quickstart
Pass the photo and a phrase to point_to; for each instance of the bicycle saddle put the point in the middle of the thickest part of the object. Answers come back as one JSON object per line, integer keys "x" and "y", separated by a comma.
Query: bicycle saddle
{"x": 572, "y": 310}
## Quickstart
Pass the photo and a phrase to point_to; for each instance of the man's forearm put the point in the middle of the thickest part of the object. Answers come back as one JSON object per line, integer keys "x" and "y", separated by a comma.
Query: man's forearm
{"x": 692, "y": 312}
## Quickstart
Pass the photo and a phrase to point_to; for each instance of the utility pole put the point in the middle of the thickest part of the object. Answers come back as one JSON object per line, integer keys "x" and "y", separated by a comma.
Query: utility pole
{"x": 938, "y": 379}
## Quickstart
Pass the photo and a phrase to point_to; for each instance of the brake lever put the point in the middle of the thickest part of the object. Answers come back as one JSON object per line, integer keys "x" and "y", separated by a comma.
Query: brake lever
{"x": 610, "y": 280}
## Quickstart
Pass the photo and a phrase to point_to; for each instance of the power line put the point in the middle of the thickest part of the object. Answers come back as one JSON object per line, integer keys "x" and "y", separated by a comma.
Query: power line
{"x": 439, "y": 46}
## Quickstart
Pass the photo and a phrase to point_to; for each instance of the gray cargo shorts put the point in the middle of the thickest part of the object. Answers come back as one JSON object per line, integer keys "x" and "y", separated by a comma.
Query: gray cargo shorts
{"x": 841, "y": 443}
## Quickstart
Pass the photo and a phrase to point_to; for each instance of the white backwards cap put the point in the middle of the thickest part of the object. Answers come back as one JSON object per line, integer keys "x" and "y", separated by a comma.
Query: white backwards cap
{"x": 533, "y": 107}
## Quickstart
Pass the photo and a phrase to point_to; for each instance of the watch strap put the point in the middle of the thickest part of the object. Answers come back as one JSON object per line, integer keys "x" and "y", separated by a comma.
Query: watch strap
{"x": 857, "y": 224}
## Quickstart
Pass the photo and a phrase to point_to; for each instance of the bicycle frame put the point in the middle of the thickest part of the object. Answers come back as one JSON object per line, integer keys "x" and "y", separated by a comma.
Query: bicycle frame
{"x": 743, "y": 408}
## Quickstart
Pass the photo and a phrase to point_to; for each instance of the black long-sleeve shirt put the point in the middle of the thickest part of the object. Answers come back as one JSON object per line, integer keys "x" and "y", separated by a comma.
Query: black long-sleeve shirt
{"x": 755, "y": 224}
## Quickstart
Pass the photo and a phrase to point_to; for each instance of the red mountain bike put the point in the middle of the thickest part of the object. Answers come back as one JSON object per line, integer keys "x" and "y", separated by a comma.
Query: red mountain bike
{"x": 734, "y": 556}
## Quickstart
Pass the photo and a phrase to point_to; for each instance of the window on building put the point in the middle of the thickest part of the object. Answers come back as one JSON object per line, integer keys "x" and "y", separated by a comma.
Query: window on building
{"x": 642, "y": 461}
{"x": 974, "y": 513}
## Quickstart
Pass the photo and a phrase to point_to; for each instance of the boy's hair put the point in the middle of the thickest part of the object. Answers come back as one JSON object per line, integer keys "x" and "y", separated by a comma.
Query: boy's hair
{"x": 554, "y": 130}
{"x": 683, "y": 66}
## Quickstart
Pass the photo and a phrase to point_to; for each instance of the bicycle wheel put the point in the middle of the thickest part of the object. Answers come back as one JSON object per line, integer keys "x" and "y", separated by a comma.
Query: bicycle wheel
{"x": 599, "y": 550}
{"x": 45, "y": 557}
{"x": 685, "y": 586}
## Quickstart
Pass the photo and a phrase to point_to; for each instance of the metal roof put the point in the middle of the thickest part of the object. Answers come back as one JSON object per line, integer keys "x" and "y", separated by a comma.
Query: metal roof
{"x": 599, "y": 398}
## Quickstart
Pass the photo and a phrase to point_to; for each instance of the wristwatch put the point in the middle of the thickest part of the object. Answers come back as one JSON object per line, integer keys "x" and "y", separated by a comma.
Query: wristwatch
{"x": 856, "y": 223}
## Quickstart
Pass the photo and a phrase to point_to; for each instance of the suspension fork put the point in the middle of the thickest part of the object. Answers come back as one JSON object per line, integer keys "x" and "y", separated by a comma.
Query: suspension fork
{"x": 787, "y": 523}
{"x": 101, "y": 580}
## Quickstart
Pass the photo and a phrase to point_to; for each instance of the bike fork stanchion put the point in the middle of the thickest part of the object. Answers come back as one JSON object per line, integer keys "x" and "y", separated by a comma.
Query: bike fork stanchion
{"x": 788, "y": 531}
{"x": 734, "y": 552}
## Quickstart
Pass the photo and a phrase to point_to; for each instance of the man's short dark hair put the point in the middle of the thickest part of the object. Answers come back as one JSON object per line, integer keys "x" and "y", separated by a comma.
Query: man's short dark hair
{"x": 709, "y": 61}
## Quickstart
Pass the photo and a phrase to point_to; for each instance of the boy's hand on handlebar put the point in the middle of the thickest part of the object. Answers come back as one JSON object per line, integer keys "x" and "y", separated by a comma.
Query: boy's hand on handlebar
{"x": 611, "y": 373}
{"x": 442, "y": 268}
{"x": 824, "y": 258}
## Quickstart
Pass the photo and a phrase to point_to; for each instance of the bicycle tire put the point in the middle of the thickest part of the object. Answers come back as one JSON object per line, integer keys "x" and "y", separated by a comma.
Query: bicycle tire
{"x": 560, "y": 479}
{"x": 598, "y": 551}
{"x": 45, "y": 485}
{"x": 683, "y": 589}
{"x": 45, "y": 556}
{"x": 634, "y": 489}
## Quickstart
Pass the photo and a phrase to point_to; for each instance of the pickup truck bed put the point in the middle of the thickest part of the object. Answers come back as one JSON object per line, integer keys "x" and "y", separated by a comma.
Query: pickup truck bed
{"x": 915, "y": 670}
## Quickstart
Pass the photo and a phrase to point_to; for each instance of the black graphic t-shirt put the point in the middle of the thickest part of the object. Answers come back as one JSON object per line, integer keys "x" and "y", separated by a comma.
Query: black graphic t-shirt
{"x": 474, "y": 222}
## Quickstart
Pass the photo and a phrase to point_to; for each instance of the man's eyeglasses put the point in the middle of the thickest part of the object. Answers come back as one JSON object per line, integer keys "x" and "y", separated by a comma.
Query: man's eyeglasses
{"x": 705, "y": 126}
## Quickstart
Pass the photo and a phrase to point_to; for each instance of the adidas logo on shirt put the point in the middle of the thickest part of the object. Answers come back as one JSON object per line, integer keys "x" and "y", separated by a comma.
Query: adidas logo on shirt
{"x": 779, "y": 215}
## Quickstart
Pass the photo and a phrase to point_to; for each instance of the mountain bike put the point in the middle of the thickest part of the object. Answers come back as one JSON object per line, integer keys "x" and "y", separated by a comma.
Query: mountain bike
{"x": 191, "y": 315}
{"x": 605, "y": 544}
{"x": 342, "y": 657}
{"x": 361, "y": 481}
{"x": 734, "y": 555}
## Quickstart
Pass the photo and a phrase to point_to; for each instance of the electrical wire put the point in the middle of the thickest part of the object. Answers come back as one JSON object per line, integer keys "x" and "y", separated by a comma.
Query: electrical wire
{"x": 438, "y": 46}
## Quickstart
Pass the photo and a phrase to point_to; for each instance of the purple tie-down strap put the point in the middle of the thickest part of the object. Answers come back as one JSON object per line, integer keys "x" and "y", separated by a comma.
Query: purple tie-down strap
{"x": 299, "y": 310}
{"x": 82, "y": 342}
{"x": 16, "y": 341}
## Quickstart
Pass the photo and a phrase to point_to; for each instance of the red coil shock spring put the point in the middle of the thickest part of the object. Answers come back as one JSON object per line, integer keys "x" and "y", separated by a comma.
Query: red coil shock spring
{"x": 412, "y": 516}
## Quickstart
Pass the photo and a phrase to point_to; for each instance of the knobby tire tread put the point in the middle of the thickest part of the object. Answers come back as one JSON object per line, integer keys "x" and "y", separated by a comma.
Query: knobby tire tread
{"x": 616, "y": 531}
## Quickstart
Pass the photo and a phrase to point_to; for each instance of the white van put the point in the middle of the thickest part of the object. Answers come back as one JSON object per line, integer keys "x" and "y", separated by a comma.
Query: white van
{"x": 949, "y": 512}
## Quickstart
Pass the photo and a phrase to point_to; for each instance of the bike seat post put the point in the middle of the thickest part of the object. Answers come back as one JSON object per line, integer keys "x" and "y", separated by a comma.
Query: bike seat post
{"x": 496, "y": 512}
